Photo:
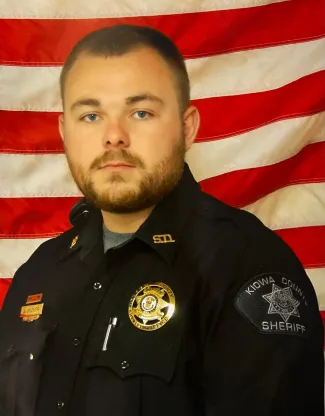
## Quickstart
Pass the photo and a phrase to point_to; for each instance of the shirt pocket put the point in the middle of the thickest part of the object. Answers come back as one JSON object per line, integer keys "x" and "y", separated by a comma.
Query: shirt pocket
{"x": 21, "y": 363}
{"x": 135, "y": 352}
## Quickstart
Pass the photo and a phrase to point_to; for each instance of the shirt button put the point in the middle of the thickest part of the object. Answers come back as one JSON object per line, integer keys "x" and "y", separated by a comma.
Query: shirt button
{"x": 76, "y": 342}
{"x": 60, "y": 404}
{"x": 97, "y": 286}
{"x": 125, "y": 365}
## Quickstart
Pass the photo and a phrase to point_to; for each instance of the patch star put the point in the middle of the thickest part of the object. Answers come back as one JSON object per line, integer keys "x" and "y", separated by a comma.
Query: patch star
{"x": 282, "y": 302}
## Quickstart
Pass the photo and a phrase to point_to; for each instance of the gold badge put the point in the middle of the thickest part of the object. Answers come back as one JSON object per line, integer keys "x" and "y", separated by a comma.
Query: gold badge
{"x": 74, "y": 241}
{"x": 32, "y": 312}
{"x": 152, "y": 306}
{"x": 34, "y": 298}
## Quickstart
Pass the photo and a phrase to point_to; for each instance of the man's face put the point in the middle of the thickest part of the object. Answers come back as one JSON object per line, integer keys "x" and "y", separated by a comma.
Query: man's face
{"x": 123, "y": 133}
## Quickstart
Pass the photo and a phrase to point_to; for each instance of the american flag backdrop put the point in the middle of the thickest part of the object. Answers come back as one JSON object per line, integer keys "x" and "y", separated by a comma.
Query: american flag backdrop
{"x": 257, "y": 71}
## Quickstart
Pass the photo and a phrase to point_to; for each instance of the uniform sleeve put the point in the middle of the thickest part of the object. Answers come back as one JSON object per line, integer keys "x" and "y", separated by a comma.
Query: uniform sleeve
{"x": 20, "y": 286}
{"x": 263, "y": 355}
{"x": 11, "y": 302}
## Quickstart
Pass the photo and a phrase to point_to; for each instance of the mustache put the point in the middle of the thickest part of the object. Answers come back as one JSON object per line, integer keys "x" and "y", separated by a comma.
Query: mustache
{"x": 120, "y": 155}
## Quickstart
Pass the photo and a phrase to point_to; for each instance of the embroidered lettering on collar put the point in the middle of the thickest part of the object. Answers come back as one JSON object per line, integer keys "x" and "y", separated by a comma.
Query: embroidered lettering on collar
{"x": 163, "y": 238}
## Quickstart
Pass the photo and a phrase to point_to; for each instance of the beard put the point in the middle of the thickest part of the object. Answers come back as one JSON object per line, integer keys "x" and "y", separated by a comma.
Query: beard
{"x": 121, "y": 197}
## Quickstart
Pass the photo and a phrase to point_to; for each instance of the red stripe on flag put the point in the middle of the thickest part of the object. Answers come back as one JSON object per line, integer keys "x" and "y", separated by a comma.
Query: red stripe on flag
{"x": 322, "y": 314}
{"x": 4, "y": 286}
{"x": 37, "y": 132}
{"x": 45, "y": 217}
{"x": 30, "y": 132}
{"x": 230, "y": 115}
{"x": 307, "y": 243}
{"x": 35, "y": 217}
{"x": 243, "y": 187}
{"x": 197, "y": 34}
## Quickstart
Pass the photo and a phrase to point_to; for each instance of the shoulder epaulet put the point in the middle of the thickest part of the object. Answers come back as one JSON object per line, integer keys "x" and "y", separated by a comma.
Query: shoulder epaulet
{"x": 80, "y": 212}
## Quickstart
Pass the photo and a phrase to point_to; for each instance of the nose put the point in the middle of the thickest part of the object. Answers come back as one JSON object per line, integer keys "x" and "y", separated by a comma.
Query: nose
{"x": 115, "y": 136}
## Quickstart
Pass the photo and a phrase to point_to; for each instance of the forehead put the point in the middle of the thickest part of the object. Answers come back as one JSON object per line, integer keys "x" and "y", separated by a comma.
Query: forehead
{"x": 141, "y": 69}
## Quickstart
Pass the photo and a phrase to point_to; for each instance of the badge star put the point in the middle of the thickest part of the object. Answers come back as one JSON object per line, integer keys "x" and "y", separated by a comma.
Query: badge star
{"x": 156, "y": 313}
{"x": 282, "y": 302}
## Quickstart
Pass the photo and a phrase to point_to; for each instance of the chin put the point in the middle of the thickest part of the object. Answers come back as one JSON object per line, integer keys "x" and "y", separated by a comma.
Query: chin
{"x": 116, "y": 192}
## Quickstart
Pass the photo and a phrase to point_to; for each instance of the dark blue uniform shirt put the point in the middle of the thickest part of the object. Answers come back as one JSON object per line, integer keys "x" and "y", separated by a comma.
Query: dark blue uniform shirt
{"x": 210, "y": 314}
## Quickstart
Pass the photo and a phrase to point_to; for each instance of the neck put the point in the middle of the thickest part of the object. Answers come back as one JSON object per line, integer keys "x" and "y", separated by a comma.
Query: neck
{"x": 125, "y": 223}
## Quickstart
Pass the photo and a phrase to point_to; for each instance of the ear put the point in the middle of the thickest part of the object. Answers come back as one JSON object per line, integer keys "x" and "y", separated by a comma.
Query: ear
{"x": 191, "y": 122}
{"x": 61, "y": 126}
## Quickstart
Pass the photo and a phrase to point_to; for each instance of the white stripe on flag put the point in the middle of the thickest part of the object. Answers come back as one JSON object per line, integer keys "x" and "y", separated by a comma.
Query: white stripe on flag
{"x": 260, "y": 147}
{"x": 279, "y": 210}
{"x": 37, "y": 88}
{"x": 15, "y": 252}
{"x": 48, "y": 175}
{"x": 78, "y": 9}
{"x": 35, "y": 175}
{"x": 290, "y": 207}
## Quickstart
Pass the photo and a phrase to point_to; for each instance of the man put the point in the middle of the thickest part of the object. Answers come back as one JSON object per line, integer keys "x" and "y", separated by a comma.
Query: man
{"x": 160, "y": 299}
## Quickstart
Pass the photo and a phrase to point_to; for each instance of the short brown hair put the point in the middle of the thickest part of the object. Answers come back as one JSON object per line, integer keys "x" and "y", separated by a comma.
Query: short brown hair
{"x": 120, "y": 39}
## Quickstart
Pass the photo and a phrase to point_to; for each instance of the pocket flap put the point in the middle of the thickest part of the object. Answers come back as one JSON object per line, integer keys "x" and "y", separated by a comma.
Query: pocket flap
{"x": 132, "y": 351}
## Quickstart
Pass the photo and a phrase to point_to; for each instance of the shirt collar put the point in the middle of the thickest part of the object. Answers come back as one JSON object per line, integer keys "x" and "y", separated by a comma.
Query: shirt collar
{"x": 163, "y": 228}
{"x": 86, "y": 237}
{"x": 161, "y": 231}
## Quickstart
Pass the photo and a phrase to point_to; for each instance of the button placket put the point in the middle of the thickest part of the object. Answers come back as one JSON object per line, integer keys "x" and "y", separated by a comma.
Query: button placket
{"x": 80, "y": 320}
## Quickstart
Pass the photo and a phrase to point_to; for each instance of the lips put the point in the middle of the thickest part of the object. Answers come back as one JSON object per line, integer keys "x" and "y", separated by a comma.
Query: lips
{"x": 116, "y": 165}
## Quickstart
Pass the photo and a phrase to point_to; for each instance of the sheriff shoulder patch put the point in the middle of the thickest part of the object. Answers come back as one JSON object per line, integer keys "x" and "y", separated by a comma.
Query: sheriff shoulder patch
{"x": 274, "y": 304}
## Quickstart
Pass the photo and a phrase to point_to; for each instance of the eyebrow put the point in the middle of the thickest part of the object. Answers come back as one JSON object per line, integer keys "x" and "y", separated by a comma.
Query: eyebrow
{"x": 134, "y": 99}
{"x": 143, "y": 97}
{"x": 88, "y": 102}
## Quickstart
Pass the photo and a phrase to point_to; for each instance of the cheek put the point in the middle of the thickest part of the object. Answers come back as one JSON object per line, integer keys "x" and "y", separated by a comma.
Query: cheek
{"x": 79, "y": 155}
{"x": 80, "y": 150}
{"x": 156, "y": 141}
{"x": 155, "y": 151}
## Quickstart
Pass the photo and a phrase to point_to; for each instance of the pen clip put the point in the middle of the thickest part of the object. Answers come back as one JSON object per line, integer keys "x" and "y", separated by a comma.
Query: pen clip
{"x": 111, "y": 324}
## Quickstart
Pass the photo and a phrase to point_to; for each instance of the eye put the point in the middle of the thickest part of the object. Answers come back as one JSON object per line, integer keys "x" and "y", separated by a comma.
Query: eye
{"x": 90, "y": 118}
{"x": 142, "y": 115}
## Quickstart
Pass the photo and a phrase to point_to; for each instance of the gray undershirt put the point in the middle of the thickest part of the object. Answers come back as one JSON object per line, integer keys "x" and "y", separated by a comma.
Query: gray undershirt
{"x": 113, "y": 240}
